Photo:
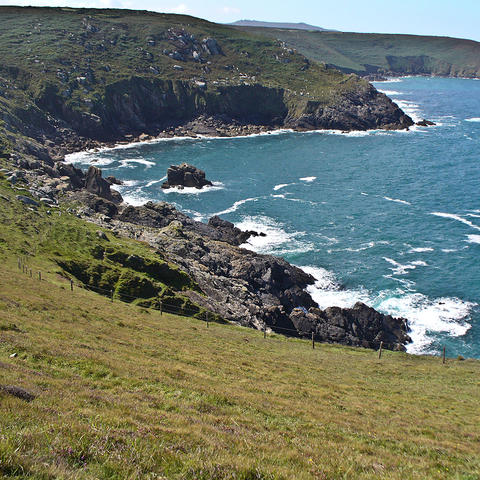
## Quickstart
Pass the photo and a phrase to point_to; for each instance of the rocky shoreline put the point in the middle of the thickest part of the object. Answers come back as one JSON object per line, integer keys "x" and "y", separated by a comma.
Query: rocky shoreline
{"x": 249, "y": 289}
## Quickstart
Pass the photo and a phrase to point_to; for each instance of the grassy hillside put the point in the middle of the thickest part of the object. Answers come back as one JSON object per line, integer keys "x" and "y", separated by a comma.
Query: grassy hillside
{"x": 364, "y": 53}
{"x": 125, "y": 392}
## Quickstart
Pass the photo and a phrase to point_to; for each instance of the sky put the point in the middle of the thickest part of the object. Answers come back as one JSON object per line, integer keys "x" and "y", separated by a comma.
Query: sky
{"x": 453, "y": 18}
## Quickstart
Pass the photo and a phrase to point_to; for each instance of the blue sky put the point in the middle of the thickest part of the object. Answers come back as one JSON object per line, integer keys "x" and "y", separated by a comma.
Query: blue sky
{"x": 454, "y": 18}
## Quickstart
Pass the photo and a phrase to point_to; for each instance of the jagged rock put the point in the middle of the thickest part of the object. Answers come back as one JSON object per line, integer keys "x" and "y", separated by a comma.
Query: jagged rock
{"x": 185, "y": 175}
{"x": 113, "y": 181}
{"x": 425, "y": 123}
{"x": 75, "y": 175}
{"x": 17, "y": 392}
{"x": 359, "y": 326}
{"x": 95, "y": 203}
{"x": 230, "y": 232}
{"x": 211, "y": 46}
{"x": 94, "y": 183}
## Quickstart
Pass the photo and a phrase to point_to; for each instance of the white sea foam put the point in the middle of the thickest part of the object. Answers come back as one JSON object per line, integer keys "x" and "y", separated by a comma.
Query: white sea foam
{"x": 130, "y": 162}
{"x": 237, "y": 205}
{"x": 474, "y": 119}
{"x": 421, "y": 250}
{"x": 275, "y": 237}
{"x": 193, "y": 190}
{"x": 154, "y": 182}
{"x": 403, "y": 269}
{"x": 281, "y": 185}
{"x": 391, "y": 80}
{"x": 363, "y": 193}
{"x": 473, "y": 239}
{"x": 308, "y": 179}
{"x": 129, "y": 183}
{"x": 391, "y": 92}
{"x": 397, "y": 200}
{"x": 458, "y": 218}
{"x": 410, "y": 108}
{"x": 426, "y": 316}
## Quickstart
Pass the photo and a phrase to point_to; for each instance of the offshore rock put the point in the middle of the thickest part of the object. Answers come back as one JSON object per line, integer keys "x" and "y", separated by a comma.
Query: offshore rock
{"x": 186, "y": 175}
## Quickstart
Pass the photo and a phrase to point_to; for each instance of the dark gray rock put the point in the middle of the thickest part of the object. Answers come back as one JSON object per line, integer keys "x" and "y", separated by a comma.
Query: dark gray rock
{"x": 27, "y": 200}
{"x": 211, "y": 46}
{"x": 185, "y": 175}
{"x": 358, "y": 326}
{"x": 94, "y": 183}
{"x": 425, "y": 123}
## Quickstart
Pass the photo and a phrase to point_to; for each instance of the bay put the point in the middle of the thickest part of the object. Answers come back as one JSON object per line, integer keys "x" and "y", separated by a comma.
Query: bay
{"x": 388, "y": 218}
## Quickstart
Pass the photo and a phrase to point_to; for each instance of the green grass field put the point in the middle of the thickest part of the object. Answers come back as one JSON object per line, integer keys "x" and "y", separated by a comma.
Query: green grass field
{"x": 123, "y": 392}
{"x": 365, "y": 52}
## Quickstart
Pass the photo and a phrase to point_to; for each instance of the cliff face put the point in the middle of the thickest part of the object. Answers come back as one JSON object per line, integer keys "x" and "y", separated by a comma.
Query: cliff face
{"x": 137, "y": 105}
{"x": 103, "y": 75}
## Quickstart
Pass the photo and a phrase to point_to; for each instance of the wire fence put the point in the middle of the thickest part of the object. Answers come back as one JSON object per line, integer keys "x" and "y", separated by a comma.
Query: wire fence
{"x": 175, "y": 309}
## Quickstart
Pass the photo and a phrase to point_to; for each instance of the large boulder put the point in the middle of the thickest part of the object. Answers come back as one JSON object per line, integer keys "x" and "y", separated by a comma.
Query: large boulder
{"x": 94, "y": 183}
{"x": 185, "y": 175}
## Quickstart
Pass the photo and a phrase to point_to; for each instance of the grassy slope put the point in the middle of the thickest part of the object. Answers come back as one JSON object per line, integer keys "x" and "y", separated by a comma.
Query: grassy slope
{"x": 123, "y": 392}
{"x": 352, "y": 51}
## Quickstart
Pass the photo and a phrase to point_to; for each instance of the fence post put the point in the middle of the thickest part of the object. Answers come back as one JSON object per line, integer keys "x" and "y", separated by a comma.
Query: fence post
{"x": 313, "y": 341}
{"x": 206, "y": 317}
{"x": 30, "y": 273}
{"x": 443, "y": 361}
{"x": 111, "y": 296}
{"x": 40, "y": 276}
{"x": 161, "y": 307}
{"x": 71, "y": 285}
{"x": 380, "y": 351}
{"x": 264, "y": 331}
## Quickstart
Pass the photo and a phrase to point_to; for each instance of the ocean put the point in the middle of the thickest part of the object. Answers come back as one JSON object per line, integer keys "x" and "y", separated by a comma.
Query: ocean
{"x": 388, "y": 218}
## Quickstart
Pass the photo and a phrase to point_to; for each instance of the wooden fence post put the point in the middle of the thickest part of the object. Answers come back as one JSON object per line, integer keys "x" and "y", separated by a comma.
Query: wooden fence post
{"x": 71, "y": 285}
{"x": 313, "y": 341}
{"x": 443, "y": 361}
{"x": 161, "y": 307}
{"x": 206, "y": 318}
{"x": 111, "y": 296}
{"x": 264, "y": 332}
{"x": 40, "y": 276}
{"x": 380, "y": 351}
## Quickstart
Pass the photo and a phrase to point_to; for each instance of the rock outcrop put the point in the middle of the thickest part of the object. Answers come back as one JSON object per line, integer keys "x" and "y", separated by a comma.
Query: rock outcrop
{"x": 186, "y": 175}
{"x": 259, "y": 291}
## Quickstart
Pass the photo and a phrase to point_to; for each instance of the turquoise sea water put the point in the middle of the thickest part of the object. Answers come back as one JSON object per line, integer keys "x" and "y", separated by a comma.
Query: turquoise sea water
{"x": 389, "y": 218}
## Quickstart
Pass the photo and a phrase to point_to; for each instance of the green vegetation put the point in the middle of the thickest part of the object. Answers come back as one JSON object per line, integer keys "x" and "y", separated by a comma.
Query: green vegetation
{"x": 123, "y": 392}
{"x": 364, "y": 53}
{"x": 127, "y": 270}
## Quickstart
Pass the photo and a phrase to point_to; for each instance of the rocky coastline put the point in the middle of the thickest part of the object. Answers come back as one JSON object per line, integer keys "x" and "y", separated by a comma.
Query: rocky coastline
{"x": 238, "y": 285}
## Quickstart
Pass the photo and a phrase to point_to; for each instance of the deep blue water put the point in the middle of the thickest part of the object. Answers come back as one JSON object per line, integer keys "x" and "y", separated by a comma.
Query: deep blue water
{"x": 394, "y": 217}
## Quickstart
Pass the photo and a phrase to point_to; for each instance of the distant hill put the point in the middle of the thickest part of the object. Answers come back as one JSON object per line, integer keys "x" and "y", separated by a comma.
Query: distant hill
{"x": 291, "y": 26}
{"x": 373, "y": 53}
